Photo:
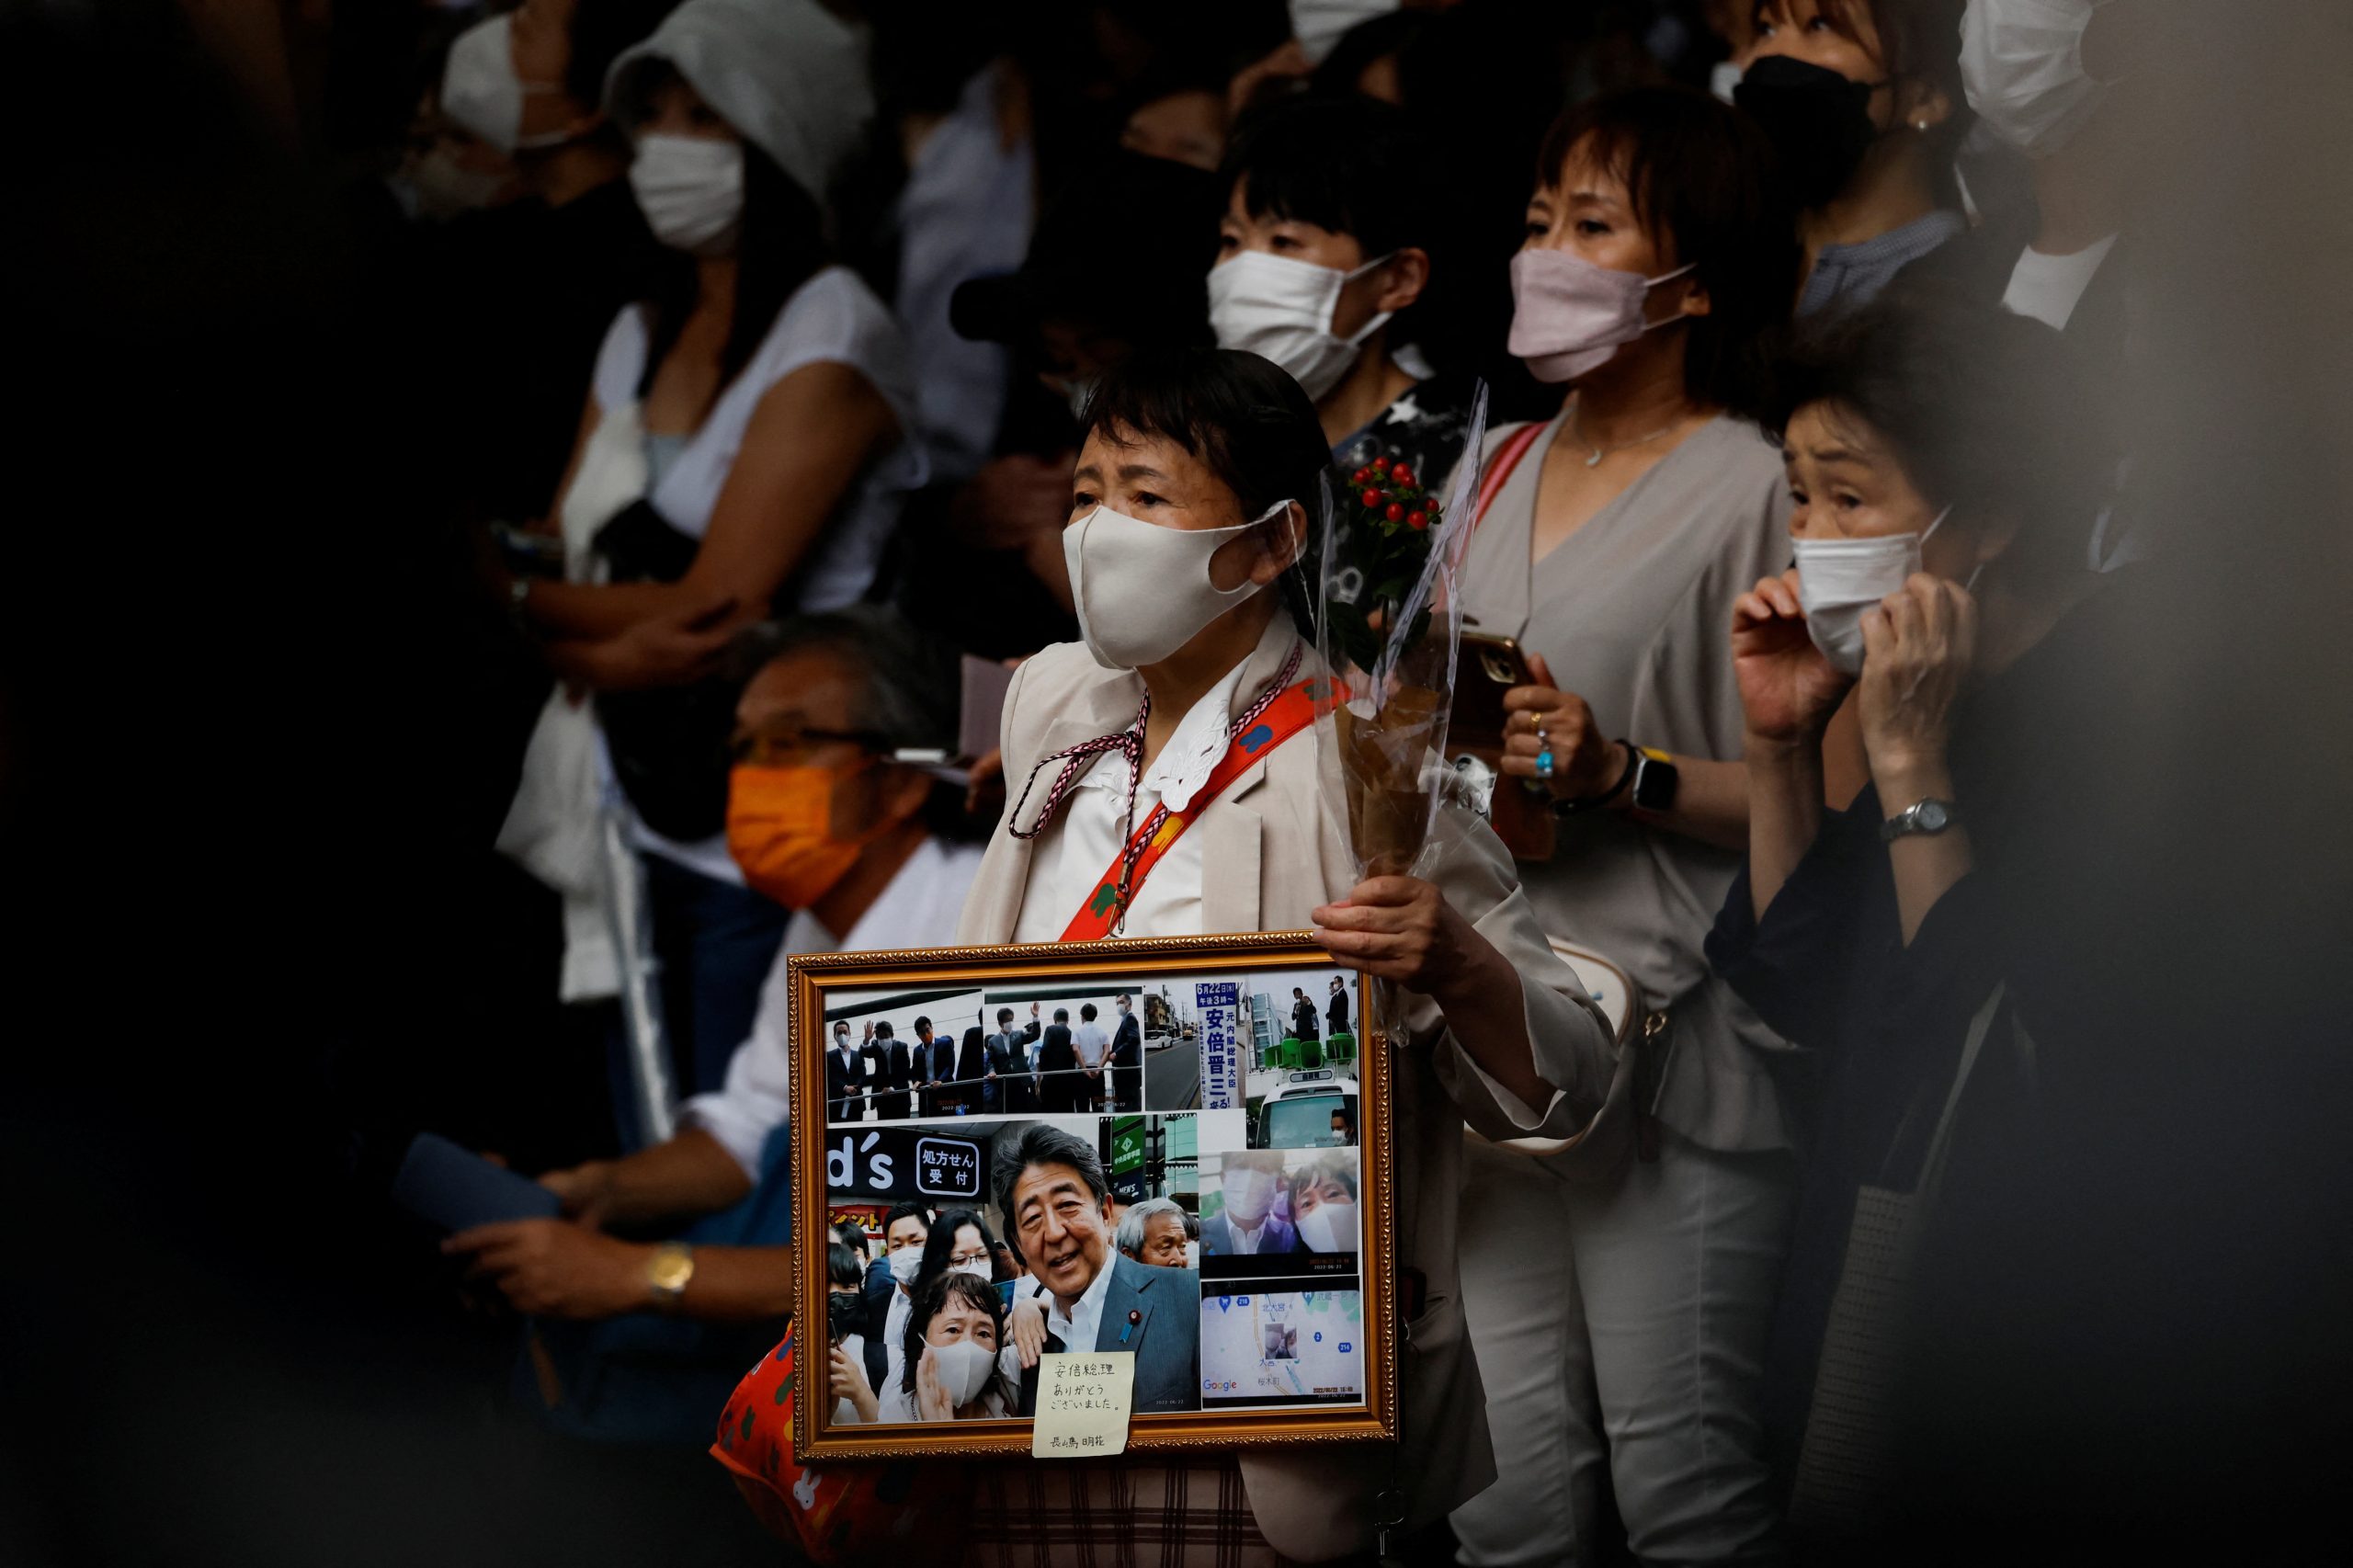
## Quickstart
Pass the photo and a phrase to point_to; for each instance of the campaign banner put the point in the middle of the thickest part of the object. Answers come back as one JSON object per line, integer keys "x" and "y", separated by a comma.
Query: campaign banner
{"x": 1217, "y": 1004}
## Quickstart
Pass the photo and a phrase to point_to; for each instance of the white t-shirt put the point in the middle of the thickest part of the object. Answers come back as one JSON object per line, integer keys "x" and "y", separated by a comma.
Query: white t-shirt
{"x": 833, "y": 318}
{"x": 1085, "y": 834}
{"x": 2047, "y": 287}
{"x": 1092, "y": 1042}
{"x": 916, "y": 909}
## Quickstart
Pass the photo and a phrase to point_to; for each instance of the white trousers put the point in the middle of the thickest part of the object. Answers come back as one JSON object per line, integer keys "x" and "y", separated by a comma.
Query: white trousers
{"x": 1620, "y": 1313}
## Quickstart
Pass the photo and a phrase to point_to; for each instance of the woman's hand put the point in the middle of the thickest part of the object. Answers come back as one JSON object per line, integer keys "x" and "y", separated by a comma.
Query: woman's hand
{"x": 1401, "y": 928}
{"x": 676, "y": 649}
{"x": 849, "y": 1383}
{"x": 1787, "y": 689}
{"x": 1543, "y": 717}
{"x": 1918, "y": 645}
{"x": 1028, "y": 1324}
{"x": 932, "y": 1402}
{"x": 585, "y": 1192}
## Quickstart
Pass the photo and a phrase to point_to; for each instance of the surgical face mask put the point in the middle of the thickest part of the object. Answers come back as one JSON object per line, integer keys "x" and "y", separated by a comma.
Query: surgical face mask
{"x": 1144, "y": 591}
{"x": 1192, "y": 1255}
{"x": 977, "y": 1267}
{"x": 964, "y": 1366}
{"x": 1274, "y": 306}
{"x": 480, "y": 91}
{"x": 1724, "y": 78}
{"x": 780, "y": 831}
{"x": 690, "y": 189}
{"x": 1329, "y": 1227}
{"x": 905, "y": 1263}
{"x": 1076, "y": 391}
{"x": 1569, "y": 317}
{"x": 1819, "y": 122}
{"x": 2022, "y": 68}
{"x": 841, "y": 1041}
{"x": 1248, "y": 1196}
{"x": 1319, "y": 25}
{"x": 1840, "y": 579}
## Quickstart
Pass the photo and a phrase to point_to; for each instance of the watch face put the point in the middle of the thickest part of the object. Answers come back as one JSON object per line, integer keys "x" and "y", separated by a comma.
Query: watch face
{"x": 671, "y": 1271}
{"x": 1655, "y": 783}
{"x": 1932, "y": 817}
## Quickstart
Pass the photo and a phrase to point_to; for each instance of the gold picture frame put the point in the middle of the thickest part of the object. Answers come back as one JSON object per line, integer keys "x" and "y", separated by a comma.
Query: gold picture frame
{"x": 1271, "y": 1402}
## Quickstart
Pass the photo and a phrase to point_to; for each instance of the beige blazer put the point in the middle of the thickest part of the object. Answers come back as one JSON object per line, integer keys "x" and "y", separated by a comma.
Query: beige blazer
{"x": 1272, "y": 854}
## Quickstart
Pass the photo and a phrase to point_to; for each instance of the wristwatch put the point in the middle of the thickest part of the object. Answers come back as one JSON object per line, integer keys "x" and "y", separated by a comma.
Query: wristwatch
{"x": 672, "y": 1266}
{"x": 1928, "y": 816}
{"x": 1657, "y": 778}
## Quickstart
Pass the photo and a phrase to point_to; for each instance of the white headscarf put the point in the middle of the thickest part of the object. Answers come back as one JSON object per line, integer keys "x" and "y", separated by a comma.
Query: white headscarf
{"x": 789, "y": 76}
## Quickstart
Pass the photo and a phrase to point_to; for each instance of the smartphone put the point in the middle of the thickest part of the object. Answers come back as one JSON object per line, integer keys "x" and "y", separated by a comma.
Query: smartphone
{"x": 1487, "y": 666}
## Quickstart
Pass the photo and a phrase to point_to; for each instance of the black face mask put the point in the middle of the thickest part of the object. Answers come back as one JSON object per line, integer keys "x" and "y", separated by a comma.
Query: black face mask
{"x": 1817, "y": 120}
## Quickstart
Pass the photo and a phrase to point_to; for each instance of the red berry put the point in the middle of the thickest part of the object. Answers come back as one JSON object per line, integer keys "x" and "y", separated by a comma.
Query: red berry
{"x": 1372, "y": 497}
{"x": 1361, "y": 475}
{"x": 1402, "y": 474}
{"x": 1397, "y": 513}
{"x": 1417, "y": 519}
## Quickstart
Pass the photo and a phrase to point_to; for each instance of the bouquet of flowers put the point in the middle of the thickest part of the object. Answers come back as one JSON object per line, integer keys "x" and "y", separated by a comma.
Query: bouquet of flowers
{"x": 1389, "y": 619}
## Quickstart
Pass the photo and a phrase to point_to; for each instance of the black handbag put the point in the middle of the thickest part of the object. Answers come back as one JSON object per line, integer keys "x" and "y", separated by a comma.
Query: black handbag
{"x": 669, "y": 744}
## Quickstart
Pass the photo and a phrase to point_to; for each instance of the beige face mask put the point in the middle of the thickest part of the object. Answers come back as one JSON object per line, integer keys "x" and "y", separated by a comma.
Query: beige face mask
{"x": 1144, "y": 591}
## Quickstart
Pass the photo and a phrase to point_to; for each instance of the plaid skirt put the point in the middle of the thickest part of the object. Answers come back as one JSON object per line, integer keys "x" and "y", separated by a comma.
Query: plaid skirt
{"x": 1121, "y": 1513}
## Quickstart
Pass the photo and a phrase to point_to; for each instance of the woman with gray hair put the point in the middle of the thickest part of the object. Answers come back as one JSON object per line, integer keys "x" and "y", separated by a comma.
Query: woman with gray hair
{"x": 1153, "y": 1231}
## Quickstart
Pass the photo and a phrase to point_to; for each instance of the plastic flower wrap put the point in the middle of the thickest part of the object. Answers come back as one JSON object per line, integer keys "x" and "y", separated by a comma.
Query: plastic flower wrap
{"x": 1388, "y": 620}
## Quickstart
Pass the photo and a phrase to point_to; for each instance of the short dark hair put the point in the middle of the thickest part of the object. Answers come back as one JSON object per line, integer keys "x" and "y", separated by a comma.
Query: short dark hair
{"x": 1702, "y": 180}
{"x": 934, "y": 1296}
{"x": 906, "y": 1211}
{"x": 882, "y": 1030}
{"x": 942, "y": 1240}
{"x": 922, "y": 1023}
{"x": 1062, "y": 1015}
{"x": 1005, "y": 1015}
{"x": 1353, "y": 166}
{"x": 1043, "y": 1144}
{"x": 1981, "y": 408}
{"x": 1246, "y": 420}
{"x": 843, "y": 1267}
{"x": 1086, "y": 1012}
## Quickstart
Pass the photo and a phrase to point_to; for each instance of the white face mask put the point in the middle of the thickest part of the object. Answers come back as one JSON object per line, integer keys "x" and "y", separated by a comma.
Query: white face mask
{"x": 1144, "y": 591}
{"x": 1076, "y": 390}
{"x": 2022, "y": 67}
{"x": 1248, "y": 1196}
{"x": 690, "y": 189}
{"x": 480, "y": 91}
{"x": 905, "y": 1262}
{"x": 1840, "y": 579}
{"x": 1329, "y": 1227}
{"x": 964, "y": 1366}
{"x": 1282, "y": 309}
{"x": 1319, "y": 25}
{"x": 978, "y": 1268}
{"x": 1192, "y": 1255}
{"x": 1723, "y": 77}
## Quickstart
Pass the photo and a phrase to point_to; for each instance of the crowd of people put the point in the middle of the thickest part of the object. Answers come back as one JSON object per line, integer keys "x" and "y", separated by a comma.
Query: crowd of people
{"x": 740, "y": 391}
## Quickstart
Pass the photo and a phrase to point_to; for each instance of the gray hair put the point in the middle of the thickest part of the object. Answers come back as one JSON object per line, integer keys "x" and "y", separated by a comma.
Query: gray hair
{"x": 1132, "y": 1224}
{"x": 909, "y": 693}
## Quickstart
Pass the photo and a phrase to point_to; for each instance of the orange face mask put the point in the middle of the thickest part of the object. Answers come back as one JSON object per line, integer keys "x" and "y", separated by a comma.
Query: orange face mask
{"x": 780, "y": 829}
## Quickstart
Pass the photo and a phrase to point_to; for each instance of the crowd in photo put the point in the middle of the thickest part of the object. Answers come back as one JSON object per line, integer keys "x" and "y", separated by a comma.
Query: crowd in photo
{"x": 765, "y": 479}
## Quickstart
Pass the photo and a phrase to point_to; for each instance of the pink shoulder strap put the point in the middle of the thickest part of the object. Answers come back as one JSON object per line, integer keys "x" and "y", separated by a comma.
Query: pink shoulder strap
{"x": 1498, "y": 474}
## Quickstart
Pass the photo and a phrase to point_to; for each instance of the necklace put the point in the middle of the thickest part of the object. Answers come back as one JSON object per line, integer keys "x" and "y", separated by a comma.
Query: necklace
{"x": 1599, "y": 451}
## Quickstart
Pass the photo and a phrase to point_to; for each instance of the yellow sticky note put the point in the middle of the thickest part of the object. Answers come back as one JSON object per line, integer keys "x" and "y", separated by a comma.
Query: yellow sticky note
{"x": 1082, "y": 1404}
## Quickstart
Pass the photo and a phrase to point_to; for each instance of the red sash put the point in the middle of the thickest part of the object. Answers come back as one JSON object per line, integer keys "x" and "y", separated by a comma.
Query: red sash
{"x": 1498, "y": 474}
{"x": 1293, "y": 709}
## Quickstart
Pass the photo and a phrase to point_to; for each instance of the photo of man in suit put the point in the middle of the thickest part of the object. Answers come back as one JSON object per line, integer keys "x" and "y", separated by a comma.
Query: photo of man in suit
{"x": 972, "y": 1071}
{"x": 934, "y": 1064}
{"x": 1302, "y": 1015}
{"x": 1009, "y": 1063}
{"x": 1249, "y": 1180}
{"x": 845, "y": 1080}
{"x": 1059, "y": 1087}
{"x": 1054, "y": 1195}
{"x": 1127, "y": 1058}
{"x": 895, "y": 1076}
{"x": 1336, "y": 1012}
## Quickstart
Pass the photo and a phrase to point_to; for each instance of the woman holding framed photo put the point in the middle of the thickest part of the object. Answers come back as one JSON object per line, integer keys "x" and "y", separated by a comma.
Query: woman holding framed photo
{"x": 1187, "y": 704}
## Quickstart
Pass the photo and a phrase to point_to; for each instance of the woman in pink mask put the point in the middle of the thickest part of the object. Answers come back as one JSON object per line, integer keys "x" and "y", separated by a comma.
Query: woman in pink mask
{"x": 1611, "y": 543}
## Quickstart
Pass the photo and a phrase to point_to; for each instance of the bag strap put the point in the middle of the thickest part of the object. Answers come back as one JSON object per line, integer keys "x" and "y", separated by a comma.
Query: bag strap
{"x": 1932, "y": 1167}
{"x": 1293, "y": 709}
{"x": 1499, "y": 472}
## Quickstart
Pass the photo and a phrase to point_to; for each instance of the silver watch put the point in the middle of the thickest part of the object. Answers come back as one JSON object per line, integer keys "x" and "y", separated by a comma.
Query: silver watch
{"x": 1928, "y": 816}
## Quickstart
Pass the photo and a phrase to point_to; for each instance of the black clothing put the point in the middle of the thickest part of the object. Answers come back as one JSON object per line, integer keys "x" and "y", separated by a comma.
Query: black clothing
{"x": 1426, "y": 429}
{"x": 1008, "y": 1059}
{"x": 898, "y": 1075}
{"x": 972, "y": 1069}
{"x": 844, "y": 1079}
{"x": 878, "y": 1290}
{"x": 1302, "y": 1018}
{"x": 1127, "y": 1065}
{"x": 1061, "y": 1089}
{"x": 936, "y": 1063}
{"x": 1336, "y": 1012}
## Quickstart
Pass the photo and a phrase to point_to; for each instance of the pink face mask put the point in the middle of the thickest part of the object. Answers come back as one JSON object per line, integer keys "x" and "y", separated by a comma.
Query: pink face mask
{"x": 1569, "y": 316}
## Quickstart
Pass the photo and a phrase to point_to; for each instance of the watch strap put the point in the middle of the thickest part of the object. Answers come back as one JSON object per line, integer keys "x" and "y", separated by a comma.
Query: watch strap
{"x": 1924, "y": 817}
{"x": 1575, "y": 804}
